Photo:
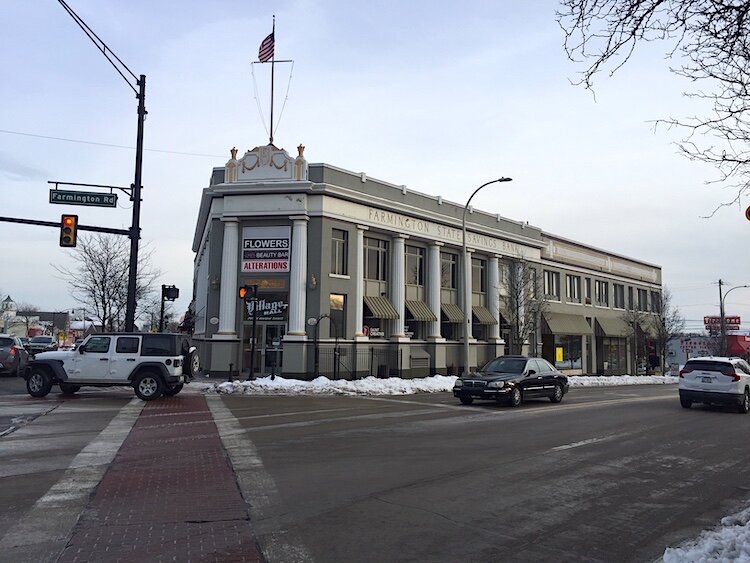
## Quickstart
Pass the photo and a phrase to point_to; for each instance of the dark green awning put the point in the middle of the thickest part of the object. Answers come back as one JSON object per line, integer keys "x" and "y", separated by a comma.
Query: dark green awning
{"x": 453, "y": 313}
{"x": 483, "y": 315}
{"x": 380, "y": 307}
{"x": 420, "y": 310}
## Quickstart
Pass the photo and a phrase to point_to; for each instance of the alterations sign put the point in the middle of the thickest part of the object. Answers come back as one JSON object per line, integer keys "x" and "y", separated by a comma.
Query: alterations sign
{"x": 266, "y": 249}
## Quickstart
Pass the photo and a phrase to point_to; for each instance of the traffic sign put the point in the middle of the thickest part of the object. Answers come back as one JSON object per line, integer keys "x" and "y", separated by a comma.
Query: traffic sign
{"x": 92, "y": 199}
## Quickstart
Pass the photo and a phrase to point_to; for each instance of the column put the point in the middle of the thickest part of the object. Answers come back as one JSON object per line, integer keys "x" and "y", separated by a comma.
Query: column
{"x": 359, "y": 282}
{"x": 493, "y": 295}
{"x": 433, "y": 287}
{"x": 467, "y": 291}
{"x": 396, "y": 286}
{"x": 298, "y": 276}
{"x": 230, "y": 261}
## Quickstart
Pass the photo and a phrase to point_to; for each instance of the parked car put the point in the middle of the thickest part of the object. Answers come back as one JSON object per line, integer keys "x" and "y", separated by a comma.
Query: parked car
{"x": 39, "y": 344}
{"x": 715, "y": 380}
{"x": 152, "y": 364}
{"x": 512, "y": 379}
{"x": 13, "y": 355}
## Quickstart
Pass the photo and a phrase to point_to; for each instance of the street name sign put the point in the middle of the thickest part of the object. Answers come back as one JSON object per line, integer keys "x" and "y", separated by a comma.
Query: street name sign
{"x": 70, "y": 197}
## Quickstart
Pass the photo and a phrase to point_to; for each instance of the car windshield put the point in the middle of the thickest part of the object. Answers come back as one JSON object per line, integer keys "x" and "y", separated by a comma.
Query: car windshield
{"x": 505, "y": 365}
{"x": 41, "y": 340}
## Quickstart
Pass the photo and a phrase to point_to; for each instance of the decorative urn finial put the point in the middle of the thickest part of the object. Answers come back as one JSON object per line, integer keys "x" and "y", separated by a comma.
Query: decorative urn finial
{"x": 301, "y": 150}
{"x": 233, "y": 150}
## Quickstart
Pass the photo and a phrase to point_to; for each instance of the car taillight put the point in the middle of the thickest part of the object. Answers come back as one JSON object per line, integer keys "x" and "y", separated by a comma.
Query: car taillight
{"x": 731, "y": 373}
{"x": 12, "y": 350}
{"x": 683, "y": 371}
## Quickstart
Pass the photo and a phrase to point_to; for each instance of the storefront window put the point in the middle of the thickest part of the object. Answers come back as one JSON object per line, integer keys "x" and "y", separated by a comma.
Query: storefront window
{"x": 568, "y": 352}
{"x": 614, "y": 352}
{"x": 338, "y": 314}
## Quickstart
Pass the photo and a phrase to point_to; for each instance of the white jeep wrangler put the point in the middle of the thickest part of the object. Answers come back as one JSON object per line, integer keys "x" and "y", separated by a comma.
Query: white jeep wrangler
{"x": 152, "y": 364}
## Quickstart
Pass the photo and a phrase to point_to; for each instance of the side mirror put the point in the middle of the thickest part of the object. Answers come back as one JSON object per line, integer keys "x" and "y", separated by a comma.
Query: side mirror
{"x": 531, "y": 372}
{"x": 81, "y": 348}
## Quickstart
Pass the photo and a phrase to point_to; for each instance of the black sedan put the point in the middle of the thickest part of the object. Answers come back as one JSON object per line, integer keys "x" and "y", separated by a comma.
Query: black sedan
{"x": 13, "y": 356}
{"x": 512, "y": 379}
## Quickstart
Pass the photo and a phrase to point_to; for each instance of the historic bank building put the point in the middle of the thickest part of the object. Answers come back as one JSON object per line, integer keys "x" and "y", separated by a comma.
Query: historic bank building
{"x": 360, "y": 277}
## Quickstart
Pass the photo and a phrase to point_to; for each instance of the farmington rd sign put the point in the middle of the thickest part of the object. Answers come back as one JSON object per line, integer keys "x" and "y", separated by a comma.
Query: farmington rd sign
{"x": 93, "y": 199}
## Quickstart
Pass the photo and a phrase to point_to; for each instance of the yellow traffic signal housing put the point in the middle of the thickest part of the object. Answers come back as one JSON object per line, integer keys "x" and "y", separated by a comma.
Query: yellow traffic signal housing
{"x": 68, "y": 231}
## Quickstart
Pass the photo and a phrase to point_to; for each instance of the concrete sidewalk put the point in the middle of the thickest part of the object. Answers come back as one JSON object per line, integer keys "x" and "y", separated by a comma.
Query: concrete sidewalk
{"x": 169, "y": 495}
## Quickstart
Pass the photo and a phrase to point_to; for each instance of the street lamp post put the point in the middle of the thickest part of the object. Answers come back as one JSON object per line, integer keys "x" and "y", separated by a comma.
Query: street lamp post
{"x": 467, "y": 266}
{"x": 722, "y": 319}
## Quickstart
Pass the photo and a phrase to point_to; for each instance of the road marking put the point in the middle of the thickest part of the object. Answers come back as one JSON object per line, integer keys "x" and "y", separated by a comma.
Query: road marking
{"x": 257, "y": 487}
{"x": 47, "y": 525}
{"x": 588, "y": 442}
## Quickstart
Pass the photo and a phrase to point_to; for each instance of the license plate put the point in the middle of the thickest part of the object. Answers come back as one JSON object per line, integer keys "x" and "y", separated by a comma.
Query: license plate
{"x": 706, "y": 379}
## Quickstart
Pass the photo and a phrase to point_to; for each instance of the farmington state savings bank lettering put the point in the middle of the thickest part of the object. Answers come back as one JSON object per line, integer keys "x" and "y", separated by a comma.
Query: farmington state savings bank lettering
{"x": 441, "y": 231}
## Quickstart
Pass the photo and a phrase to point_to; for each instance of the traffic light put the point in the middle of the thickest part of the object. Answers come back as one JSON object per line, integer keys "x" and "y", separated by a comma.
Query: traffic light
{"x": 68, "y": 230}
{"x": 248, "y": 292}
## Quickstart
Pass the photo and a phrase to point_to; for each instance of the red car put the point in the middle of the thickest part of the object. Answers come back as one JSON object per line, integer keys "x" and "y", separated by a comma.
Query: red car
{"x": 13, "y": 356}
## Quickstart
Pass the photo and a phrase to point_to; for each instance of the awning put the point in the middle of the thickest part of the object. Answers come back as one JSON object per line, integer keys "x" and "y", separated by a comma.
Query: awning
{"x": 452, "y": 312}
{"x": 560, "y": 323}
{"x": 420, "y": 310}
{"x": 483, "y": 315}
{"x": 648, "y": 329}
{"x": 613, "y": 326}
{"x": 380, "y": 307}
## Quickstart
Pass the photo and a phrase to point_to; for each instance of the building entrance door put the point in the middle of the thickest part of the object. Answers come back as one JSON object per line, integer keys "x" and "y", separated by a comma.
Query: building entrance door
{"x": 268, "y": 349}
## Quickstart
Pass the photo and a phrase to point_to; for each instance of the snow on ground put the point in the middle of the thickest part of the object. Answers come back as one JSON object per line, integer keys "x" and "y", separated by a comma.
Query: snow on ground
{"x": 393, "y": 385}
{"x": 729, "y": 542}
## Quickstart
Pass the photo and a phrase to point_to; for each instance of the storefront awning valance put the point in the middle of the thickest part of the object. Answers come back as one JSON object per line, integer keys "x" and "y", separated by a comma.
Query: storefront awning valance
{"x": 560, "y": 323}
{"x": 380, "y": 307}
{"x": 420, "y": 311}
{"x": 483, "y": 315}
{"x": 453, "y": 313}
{"x": 613, "y": 326}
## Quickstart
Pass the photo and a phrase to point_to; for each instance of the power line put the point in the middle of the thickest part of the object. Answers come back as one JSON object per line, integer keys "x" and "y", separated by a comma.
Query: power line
{"x": 106, "y": 144}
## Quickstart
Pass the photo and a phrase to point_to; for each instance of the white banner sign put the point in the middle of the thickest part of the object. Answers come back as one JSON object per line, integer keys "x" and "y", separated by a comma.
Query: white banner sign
{"x": 266, "y": 249}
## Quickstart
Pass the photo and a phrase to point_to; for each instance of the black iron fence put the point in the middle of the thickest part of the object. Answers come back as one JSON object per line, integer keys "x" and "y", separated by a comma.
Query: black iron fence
{"x": 352, "y": 360}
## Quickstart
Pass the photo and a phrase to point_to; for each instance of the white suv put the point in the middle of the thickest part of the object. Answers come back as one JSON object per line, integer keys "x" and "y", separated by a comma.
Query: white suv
{"x": 152, "y": 364}
{"x": 715, "y": 380}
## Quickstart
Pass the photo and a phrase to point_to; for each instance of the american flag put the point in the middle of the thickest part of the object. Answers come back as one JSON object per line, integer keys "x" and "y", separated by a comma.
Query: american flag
{"x": 265, "y": 53}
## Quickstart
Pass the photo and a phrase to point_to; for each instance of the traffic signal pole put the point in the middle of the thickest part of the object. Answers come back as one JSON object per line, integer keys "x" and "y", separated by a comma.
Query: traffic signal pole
{"x": 135, "y": 229}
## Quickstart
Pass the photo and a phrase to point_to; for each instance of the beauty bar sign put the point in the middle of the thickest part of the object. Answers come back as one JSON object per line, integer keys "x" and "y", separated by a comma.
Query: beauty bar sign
{"x": 266, "y": 249}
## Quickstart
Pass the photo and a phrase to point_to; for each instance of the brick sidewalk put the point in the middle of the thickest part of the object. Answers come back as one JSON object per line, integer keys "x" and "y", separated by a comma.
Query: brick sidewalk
{"x": 169, "y": 495}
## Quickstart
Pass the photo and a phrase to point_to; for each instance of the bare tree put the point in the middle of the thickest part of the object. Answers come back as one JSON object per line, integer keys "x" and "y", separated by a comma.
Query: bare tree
{"x": 521, "y": 302}
{"x": 26, "y": 313}
{"x": 637, "y": 322}
{"x": 710, "y": 42}
{"x": 667, "y": 325}
{"x": 99, "y": 277}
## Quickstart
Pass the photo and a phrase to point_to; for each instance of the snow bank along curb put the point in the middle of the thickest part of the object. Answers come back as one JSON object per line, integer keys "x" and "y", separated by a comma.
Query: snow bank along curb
{"x": 393, "y": 385}
{"x": 729, "y": 542}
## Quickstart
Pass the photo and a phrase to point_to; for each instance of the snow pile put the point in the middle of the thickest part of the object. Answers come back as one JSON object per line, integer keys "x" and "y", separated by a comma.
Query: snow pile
{"x": 731, "y": 542}
{"x": 390, "y": 386}
{"x": 606, "y": 381}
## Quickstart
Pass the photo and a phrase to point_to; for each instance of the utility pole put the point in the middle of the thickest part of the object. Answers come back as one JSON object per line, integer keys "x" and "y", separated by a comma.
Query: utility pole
{"x": 723, "y": 326}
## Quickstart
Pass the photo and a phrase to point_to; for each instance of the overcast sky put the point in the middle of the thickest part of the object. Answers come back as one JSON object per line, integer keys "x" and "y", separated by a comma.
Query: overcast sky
{"x": 439, "y": 97}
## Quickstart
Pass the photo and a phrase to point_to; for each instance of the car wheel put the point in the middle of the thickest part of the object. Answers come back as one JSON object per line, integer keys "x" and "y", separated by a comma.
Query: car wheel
{"x": 193, "y": 364}
{"x": 69, "y": 388}
{"x": 686, "y": 403}
{"x": 515, "y": 397}
{"x": 148, "y": 386}
{"x": 466, "y": 400}
{"x": 39, "y": 383}
{"x": 173, "y": 390}
{"x": 557, "y": 394}
{"x": 744, "y": 406}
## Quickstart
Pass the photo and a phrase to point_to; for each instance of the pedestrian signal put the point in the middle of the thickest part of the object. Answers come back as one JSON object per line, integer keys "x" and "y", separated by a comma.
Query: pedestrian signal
{"x": 248, "y": 292}
{"x": 68, "y": 230}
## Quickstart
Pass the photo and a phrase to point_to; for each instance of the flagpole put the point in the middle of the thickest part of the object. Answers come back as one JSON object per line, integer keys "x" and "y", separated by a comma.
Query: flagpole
{"x": 273, "y": 56}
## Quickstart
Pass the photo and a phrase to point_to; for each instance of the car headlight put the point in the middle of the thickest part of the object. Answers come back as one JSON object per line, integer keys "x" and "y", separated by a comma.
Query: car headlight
{"x": 496, "y": 384}
{"x": 458, "y": 383}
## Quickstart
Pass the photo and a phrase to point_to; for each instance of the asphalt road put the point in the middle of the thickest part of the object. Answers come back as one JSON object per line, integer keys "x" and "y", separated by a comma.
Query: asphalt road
{"x": 611, "y": 474}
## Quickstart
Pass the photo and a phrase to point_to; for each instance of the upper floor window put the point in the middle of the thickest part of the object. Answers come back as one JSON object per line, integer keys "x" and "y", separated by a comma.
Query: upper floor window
{"x": 448, "y": 270}
{"x": 339, "y": 247}
{"x": 478, "y": 278}
{"x": 601, "y": 292}
{"x": 376, "y": 259}
{"x": 642, "y": 300}
{"x": 630, "y": 298}
{"x": 552, "y": 285}
{"x": 619, "y": 295}
{"x": 587, "y": 290}
{"x": 655, "y": 302}
{"x": 414, "y": 265}
{"x": 573, "y": 288}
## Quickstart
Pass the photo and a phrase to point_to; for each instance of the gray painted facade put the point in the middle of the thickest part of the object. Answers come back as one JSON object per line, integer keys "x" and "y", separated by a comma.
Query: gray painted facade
{"x": 380, "y": 268}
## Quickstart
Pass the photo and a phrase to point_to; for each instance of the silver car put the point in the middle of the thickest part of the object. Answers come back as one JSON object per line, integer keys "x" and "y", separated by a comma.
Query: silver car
{"x": 13, "y": 355}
